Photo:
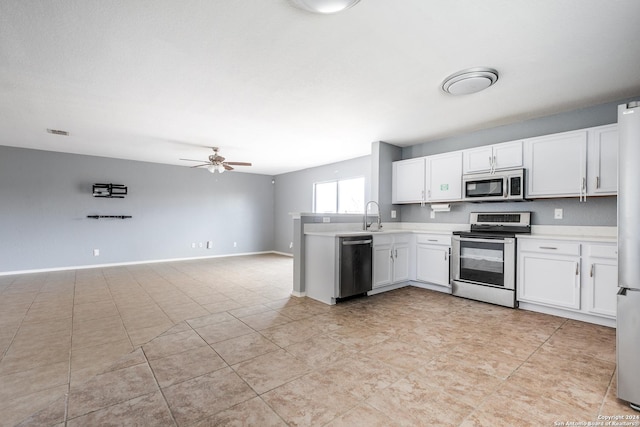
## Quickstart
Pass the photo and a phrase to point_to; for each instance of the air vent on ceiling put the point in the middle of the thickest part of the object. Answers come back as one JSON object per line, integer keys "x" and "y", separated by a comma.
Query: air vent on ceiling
{"x": 58, "y": 132}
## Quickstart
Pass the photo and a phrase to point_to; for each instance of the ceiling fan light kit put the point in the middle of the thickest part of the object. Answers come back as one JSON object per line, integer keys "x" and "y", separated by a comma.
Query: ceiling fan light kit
{"x": 217, "y": 163}
{"x": 324, "y": 6}
{"x": 470, "y": 81}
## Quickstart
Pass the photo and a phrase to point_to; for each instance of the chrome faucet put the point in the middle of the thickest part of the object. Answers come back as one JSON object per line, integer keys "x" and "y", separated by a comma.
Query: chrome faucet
{"x": 365, "y": 225}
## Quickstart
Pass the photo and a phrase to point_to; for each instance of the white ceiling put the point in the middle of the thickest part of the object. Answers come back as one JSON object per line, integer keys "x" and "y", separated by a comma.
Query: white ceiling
{"x": 159, "y": 80}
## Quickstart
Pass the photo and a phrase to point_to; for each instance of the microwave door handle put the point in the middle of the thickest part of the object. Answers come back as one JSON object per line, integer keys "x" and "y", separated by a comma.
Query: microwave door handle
{"x": 507, "y": 190}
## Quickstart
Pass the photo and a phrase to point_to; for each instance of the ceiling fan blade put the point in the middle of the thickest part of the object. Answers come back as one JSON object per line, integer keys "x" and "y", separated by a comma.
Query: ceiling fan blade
{"x": 227, "y": 167}
{"x": 191, "y": 160}
{"x": 238, "y": 163}
{"x": 198, "y": 166}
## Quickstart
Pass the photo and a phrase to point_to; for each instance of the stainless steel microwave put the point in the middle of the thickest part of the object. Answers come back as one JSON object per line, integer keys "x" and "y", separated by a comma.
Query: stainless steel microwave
{"x": 505, "y": 185}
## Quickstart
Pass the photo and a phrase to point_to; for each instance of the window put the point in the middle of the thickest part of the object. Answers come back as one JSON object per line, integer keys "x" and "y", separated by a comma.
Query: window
{"x": 342, "y": 196}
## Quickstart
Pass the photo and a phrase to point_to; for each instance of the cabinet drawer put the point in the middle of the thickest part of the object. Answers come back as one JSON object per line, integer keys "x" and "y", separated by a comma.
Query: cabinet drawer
{"x": 602, "y": 251}
{"x": 433, "y": 239}
{"x": 549, "y": 247}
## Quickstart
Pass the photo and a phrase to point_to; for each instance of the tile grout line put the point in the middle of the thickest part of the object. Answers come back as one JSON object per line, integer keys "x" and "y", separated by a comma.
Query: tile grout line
{"x": 106, "y": 281}
{"x": 66, "y": 396}
{"x": 158, "y": 385}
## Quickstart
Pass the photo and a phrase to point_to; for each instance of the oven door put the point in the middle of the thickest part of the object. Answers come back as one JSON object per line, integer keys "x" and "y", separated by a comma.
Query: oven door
{"x": 484, "y": 261}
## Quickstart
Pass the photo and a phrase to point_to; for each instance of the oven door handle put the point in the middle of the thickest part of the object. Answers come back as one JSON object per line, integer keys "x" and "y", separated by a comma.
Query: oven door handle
{"x": 504, "y": 240}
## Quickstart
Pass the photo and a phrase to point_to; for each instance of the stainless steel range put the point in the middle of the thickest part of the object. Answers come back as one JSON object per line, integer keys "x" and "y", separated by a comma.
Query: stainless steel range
{"x": 483, "y": 260}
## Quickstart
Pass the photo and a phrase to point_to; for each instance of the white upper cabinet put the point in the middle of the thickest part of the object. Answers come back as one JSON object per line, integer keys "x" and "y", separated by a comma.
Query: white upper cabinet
{"x": 444, "y": 177}
{"x": 408, "y": 178}
{"x": 428, "y": 179}
{"x": 602, "y": 161}
{"x": 490, "y": 158}
{"x": 556, "y": 165}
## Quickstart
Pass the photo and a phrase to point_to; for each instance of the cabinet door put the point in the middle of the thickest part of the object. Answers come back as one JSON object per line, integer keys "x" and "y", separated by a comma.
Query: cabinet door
{"x": 550, "y": 280}
{"x": 603, "y": 160}
{"x": 508, "y": 155}
{"x": 556, "y": 165}
{"x": 477, "y": 159}
{"x": 400, "y": 263}
{"x": 382, "y": 265}
{"x": 432, "y": 264}
{"x": 444, "y": 177}
{"x": 408, "y": 181}
{"x": 603, "y": 277}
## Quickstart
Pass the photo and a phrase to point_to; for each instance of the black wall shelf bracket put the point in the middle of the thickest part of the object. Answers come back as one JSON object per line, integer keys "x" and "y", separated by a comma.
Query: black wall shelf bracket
{"x": 112, "y": 191}
{"x": 109, "y": 216}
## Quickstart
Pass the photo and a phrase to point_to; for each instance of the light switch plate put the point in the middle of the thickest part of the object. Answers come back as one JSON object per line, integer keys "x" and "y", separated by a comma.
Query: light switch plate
{"x": 557, "y": 214}
{"x": 326, "y": 219}
{"x": 393, "y": 213}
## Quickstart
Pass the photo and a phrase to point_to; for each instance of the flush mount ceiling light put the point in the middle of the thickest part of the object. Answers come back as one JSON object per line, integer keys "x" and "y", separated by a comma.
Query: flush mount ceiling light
{"x": 324, "y": 6}
{"x": 469, "y": 81}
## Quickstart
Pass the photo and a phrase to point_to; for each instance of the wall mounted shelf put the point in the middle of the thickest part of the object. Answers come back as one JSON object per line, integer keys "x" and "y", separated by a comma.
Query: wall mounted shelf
{"x": 109, "y": 216}
{"x": 111, "y": 191}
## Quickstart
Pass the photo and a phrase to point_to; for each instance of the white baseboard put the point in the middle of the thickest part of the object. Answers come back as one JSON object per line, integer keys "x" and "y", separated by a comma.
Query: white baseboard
{"x": 282, "y": 253}
{"x": 298, "y": 294}
{"x": 119, "y": 264}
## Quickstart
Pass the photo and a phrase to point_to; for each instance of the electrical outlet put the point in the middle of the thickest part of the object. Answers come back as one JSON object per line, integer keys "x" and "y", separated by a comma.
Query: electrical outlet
{"x": 290, "y": 245}
{"x": 326, "y": 219}
{"x": 193, "y": 246}
{"x": 235, "y": 244}
{"x": 557, "y": 214}
{"x": 393, "y": 213}
{"x": 96, "y": 252}
{"x": 433, "y": 214}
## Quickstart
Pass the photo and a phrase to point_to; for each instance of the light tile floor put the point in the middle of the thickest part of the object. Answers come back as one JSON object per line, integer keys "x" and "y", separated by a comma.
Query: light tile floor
{"x": 221, "y": 342}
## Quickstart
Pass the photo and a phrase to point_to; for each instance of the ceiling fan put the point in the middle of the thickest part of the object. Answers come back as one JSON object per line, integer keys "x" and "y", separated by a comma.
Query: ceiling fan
{"x": 216, "y": 162}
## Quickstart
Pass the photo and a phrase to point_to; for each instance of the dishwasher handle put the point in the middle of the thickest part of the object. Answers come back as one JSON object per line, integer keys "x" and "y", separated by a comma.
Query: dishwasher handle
{"x": 356, "y": 242}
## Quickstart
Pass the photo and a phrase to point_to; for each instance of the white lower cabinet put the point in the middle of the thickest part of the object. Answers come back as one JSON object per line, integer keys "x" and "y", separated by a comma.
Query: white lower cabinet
{"x": 382, "y": 264}
{"x": 432, "y": 259}
{"x": 601, "y": 261}
{"x": 550, "y": 279}
{"x": 391, "y": 255}
{"x": 568, "y": 275}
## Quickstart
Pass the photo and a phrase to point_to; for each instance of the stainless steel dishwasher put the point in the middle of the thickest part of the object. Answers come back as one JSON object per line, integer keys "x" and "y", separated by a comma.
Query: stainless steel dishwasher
{"x": 356, "y": 266}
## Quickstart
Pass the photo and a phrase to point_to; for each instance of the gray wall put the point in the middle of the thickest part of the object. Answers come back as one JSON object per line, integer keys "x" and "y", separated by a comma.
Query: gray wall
{"x": 294, "y": 193}
{"x": 382, "y": 156}
{"x": 600, "y": 211}
{"x": 46, "y": 197}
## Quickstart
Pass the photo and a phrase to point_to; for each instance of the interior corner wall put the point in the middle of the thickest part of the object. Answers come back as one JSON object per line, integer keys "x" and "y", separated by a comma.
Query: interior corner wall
{"x": 382, "y": 157}
{"x": 47, "y": 196}
{"x": 294, "y": 193}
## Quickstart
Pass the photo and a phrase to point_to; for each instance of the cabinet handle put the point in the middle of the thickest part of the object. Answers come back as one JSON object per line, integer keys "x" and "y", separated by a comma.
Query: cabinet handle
{"x": 391, "y": 254}
{"x": 597, "y": 182}
{"x": 445, "y": 255}
{"x": 396, "y": 253}
{"x": 583, "y": 190}
{"x": 591, "y": 271}
{"x": 429, "y": 193}
{"x": 432, "y": 240}
{"x": 577, "y": 268}
{"x": 547, "y": 247}
{"x": 493, "y": 167}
